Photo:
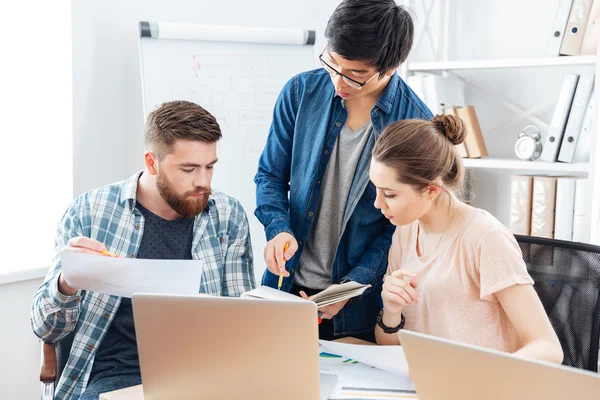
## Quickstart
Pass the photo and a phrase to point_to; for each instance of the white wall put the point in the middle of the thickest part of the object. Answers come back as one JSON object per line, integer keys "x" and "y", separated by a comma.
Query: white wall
{"x": 19, "y": 347}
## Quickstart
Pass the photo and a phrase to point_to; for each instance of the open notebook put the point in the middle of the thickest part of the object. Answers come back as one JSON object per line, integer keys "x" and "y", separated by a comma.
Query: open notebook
{"x": 327, "y": 297}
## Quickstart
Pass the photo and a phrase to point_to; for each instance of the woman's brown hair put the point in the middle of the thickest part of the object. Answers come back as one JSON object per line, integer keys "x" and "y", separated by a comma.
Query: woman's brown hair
{"x": 420, "y": 151}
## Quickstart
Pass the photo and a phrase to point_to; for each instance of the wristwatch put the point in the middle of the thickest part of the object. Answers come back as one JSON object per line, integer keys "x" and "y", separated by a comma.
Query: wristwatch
{"x": 388, "y": 329}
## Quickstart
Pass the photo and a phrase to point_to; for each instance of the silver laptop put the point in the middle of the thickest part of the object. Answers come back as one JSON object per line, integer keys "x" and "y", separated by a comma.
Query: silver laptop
{"x": 443, "y": 369}
{"x": 193, "y": 347}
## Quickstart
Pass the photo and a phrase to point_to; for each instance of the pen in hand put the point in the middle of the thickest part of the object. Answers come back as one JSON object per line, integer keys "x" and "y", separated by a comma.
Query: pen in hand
{"x": 107, "y": 253}
{"x": 287, "y": 245}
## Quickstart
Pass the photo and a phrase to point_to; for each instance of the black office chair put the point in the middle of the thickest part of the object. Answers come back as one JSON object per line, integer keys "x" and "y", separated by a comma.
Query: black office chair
{"x": 567, "y": 280}
{"x": 54, "y": 359}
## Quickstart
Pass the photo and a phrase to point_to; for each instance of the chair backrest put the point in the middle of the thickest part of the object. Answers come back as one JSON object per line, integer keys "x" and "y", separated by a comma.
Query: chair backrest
{"x": 567, "y": 280}
{"x": 63, "y": 349}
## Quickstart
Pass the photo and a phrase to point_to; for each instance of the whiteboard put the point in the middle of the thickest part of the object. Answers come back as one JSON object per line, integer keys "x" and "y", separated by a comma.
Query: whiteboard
{"x": 238, "y": 82}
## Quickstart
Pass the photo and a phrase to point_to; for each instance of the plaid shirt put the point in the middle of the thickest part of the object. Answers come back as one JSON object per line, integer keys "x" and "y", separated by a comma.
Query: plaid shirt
{"x": 221, "y": 240}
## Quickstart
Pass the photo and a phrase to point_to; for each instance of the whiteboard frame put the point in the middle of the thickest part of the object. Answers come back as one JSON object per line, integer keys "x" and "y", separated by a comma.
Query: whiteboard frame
{"x": 226, "y": 33}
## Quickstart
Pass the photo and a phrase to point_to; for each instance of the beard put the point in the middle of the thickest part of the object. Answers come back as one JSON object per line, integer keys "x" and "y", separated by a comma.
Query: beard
{"x": 183, "y": 204}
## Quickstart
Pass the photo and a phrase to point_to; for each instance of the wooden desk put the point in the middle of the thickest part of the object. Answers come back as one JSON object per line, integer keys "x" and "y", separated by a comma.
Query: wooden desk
{"x": 137, "y": 392}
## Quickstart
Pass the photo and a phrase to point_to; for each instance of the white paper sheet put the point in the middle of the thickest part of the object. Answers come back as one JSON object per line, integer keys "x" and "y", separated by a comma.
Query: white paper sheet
{"x": 327, "y": 383}
{"x": 126, "y": 276}
{"x": 387, "y": 358}
{"x": 268, "y": 293}
{"x": 360, "y": 381}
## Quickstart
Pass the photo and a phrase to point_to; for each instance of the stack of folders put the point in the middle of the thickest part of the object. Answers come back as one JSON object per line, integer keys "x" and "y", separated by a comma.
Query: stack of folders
{"x": 446, "y": 95}
{"x": 569, "y": 134}
{"x": 575, "y": 29}
{"x": 550, "y": 207}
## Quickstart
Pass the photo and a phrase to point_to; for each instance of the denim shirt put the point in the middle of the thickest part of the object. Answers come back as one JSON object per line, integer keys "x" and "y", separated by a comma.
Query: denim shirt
{"x": 307, "y": 119}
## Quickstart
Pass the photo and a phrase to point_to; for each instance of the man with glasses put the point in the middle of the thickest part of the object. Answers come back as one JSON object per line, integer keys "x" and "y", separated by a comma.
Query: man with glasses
{"x": 312, "y": 186}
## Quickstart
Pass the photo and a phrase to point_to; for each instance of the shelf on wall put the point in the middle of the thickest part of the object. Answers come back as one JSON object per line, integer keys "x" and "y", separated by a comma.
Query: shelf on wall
{"x": 503, "y": 63}
{"x": 525, "y": 166}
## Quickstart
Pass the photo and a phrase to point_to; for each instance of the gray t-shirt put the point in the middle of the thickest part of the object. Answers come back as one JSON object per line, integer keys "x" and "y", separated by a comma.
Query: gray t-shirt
{"x": 162, "y": 240}
{"x": 314, "y": 268}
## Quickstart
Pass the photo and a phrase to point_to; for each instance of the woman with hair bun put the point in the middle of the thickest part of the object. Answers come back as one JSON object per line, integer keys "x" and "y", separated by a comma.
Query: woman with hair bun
{"x": 454, "y": 270}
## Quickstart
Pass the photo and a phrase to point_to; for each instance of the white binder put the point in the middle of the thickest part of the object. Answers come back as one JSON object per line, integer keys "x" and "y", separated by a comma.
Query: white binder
{"x": 559, "y": 118}
{"x": 581, "y": 223}
{"x": 585, "y": 84}
{"x": 582, "y": 144}
{"x": 565, "y": 206}
{"x": 558, "y": 28}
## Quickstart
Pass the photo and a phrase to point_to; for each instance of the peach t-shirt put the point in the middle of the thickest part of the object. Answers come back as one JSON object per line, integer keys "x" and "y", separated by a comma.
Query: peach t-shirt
{"x": 475, "y": 259}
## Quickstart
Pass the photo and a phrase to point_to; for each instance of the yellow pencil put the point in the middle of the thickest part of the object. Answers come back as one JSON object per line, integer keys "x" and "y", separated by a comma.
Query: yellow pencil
{"x": 108, "y": 254}
{"x": 287, "y": 245}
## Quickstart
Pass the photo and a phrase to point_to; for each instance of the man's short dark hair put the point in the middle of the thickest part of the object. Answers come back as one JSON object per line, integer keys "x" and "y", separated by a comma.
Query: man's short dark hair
{"x": 179, "y": 120}
{"x": 378, "y": 32}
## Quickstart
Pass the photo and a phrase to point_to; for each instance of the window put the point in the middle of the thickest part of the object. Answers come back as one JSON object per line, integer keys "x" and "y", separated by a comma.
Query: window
{"x": 36, "y": 131}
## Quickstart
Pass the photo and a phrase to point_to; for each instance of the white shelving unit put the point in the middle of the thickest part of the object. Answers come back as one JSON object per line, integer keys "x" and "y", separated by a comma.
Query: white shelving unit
{"x": 498, "y": 165}
{"x": 520, "y": 166}
{"x": 501, "y": 63}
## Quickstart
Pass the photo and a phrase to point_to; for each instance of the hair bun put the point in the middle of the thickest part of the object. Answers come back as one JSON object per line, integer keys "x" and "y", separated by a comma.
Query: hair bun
{"x": 451, "y": 127}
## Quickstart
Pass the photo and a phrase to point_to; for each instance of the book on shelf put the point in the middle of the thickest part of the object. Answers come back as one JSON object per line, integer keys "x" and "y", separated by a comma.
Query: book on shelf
{"x": 521, "y": 191}
{"x": 331, "y": 295}
{"x": 550, "y": 207}
{"x": 575, "y": 28}
{"x": 572, "y": 37}
{"x": 474, "y": 141}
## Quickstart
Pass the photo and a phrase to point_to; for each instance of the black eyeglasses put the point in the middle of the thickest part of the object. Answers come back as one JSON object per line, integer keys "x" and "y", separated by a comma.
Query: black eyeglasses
{"x": 351, "y": 82}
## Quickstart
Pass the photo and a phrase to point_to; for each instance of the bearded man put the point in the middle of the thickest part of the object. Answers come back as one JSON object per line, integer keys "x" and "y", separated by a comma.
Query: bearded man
{"x": 166, "y": 211}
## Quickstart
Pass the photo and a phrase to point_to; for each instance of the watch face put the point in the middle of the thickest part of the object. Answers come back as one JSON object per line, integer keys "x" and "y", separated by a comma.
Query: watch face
{"x": 525, "y": 148}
